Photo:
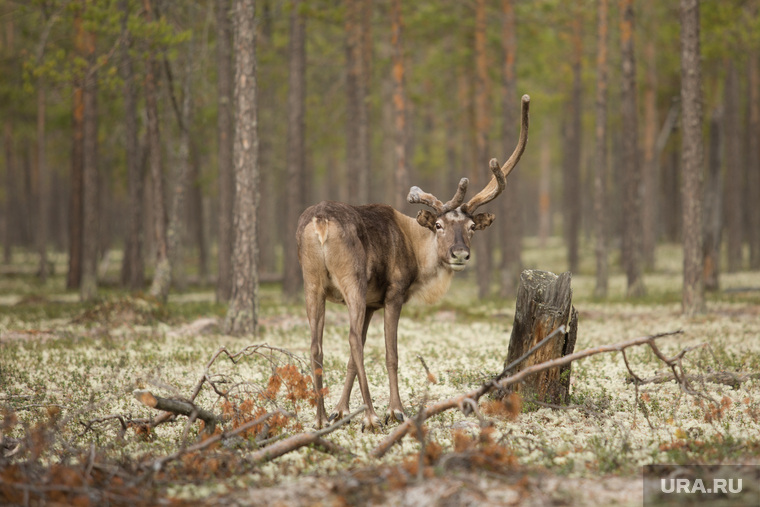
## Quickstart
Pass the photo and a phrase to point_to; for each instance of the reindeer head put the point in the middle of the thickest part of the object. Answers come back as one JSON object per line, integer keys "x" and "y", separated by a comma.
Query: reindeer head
{"x": 454, "y": 223}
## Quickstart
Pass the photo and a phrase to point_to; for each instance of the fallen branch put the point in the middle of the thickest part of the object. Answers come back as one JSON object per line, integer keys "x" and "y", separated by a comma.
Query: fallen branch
{"x": 297, "y": 441}
{"x": 119, "y": 417}
{"x": 247, "y": 351}
{"x": 676, "y": 364}
{"x": 205, "y": 376}
{"x": 639, "y": 402}
{"x": 462, "y": 401}
{"x": 177, "y": 407}
{"x": 719, "y": 377}
{"x": 328, "y": 447}
{"x": 159, "y": 463}
{"x": 734, "y": 290}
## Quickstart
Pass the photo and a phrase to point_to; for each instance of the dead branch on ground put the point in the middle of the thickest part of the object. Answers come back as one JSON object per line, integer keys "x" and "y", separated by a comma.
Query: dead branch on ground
{"x": 123, "y": 423}
{"x": 159, "y": 463}
{"x": 294, "y": 442}
{"x": 179, "y": 407}
{"x": 206, "y": 375}
{"x": 461, "y": 401}
{"x": 328, "y": 447}
{"x": 719, "y": 377}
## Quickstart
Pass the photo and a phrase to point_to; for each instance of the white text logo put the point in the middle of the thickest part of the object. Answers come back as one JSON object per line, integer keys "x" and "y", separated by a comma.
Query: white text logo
{"x": 724, "y": 486}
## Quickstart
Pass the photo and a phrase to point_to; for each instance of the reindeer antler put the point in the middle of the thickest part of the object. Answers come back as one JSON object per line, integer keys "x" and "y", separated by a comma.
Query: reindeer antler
{"x": 458, "y": 198}
{"x": 498, "y": 182}
{"x": 417, "y": 195}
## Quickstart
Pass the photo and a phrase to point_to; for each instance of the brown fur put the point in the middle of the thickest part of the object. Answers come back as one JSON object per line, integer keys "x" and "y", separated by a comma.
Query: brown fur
{"x": 371, "y": 257}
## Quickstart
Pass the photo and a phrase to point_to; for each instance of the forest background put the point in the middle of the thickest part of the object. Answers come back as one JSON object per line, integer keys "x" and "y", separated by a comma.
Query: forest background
{"x": 118, "y": 129}
{"x": 154, "y": 147}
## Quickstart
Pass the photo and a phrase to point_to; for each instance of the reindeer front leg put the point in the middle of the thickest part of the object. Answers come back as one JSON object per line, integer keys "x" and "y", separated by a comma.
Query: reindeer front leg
{"x": 392, "y": 314}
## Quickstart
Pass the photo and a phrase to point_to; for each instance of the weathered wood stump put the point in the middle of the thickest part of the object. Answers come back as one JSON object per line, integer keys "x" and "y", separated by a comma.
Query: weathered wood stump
{"x": 544, "y": 302}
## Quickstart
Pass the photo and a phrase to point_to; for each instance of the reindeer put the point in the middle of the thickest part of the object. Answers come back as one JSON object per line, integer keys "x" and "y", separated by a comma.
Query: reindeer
{"x": 372, "y": 256}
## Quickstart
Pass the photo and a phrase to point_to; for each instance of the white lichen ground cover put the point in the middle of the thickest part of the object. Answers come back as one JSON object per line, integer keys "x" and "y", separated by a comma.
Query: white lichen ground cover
{"x": 90, "y": 370}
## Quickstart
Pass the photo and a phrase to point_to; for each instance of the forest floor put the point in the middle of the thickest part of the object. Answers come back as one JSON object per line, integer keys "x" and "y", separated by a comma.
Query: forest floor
{"x": 72, "y": 430}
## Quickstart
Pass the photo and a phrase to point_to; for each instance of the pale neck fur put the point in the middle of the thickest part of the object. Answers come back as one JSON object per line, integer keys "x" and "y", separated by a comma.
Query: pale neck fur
{"x": 433, "y": 278}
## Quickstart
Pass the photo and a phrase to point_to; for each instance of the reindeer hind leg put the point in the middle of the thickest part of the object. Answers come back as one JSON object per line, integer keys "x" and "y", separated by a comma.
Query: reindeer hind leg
{"x": 315, "y": 307}
{"x": 341, "y": 409}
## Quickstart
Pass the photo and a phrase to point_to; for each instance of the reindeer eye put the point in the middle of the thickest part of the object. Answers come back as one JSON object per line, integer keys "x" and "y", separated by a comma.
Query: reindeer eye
{"x": 472, "y": 227}
{"x": 439, "y": 226}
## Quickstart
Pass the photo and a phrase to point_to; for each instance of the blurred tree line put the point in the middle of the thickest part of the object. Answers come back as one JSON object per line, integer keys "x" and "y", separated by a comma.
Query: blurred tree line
{"x": 119, "y": 120}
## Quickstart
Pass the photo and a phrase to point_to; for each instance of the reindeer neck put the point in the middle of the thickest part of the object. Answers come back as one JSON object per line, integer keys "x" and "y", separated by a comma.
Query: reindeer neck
{"x": 421, "y": 240}
{"x": 433, "y": 278}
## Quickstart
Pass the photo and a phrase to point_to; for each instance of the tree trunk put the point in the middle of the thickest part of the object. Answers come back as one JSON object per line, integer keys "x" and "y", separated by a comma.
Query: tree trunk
{"x": 133, "y": 266}
{"x": 353, "y": 64}
{"x": 76, "y": 211}
{"x": 734, "y": 185}
{"x": 180, "y": 174}
{"x": 571, "y": 174}
{"x": 88, "y": 288}
{"x": 296, "y": 156}
{"x": 713, "y": 208}
{"x": 242, "y": 315}
{"x": 649, "y": 211}
{"x": 482, "y": 125}
{"x": 224, "y": 158}
{"x": 26, "y": 204}
{"x": 10, "y": 170}
{"x": 365, "y": 78}
{"x": 544, "y": 302}
{"x": 401, "y": 172}
{"x": 544, "y": 188}
{"x": 753, "y": 161}
{"x": 511, "y": 230}
{"x": 59, "y": 183}
{"x": 668, "y": 200}
{"x": 692, "y": 158}
{"x": 197, "y": 212}
{"x": 600, "y": 160}
{"x": 162, "y": 271}
{"x": 43, "y": 193}
{"x": 357, "y": 118}
{"x": 631, "y": 253}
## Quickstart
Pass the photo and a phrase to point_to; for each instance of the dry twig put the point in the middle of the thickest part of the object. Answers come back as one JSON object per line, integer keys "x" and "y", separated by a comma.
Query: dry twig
{"x": 719, "y": 377}
{"x": 180, "y": 407}
{"x": 206, "y": 375}
{"x": 159, "y": 463}
{"x": 460, "y": 400}
{"x": 294, "y": 442}
{"x": 430, "y": 377}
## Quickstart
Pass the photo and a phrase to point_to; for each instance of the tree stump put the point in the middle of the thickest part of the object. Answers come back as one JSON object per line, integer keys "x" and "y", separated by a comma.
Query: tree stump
{"x": 544, "y": 302}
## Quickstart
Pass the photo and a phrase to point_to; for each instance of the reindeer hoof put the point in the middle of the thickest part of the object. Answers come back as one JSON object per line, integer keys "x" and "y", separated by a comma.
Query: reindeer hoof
{"x": 338, "y": 414}
{"x": 324, "y": 423}
{"x": 371, "y": 424}
{"x": 397, "y": 415}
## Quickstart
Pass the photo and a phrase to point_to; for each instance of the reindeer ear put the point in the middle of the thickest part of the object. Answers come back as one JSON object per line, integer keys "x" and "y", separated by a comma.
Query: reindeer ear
{"x": 426, "y": 219}
{"x": 482, "y": 220}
